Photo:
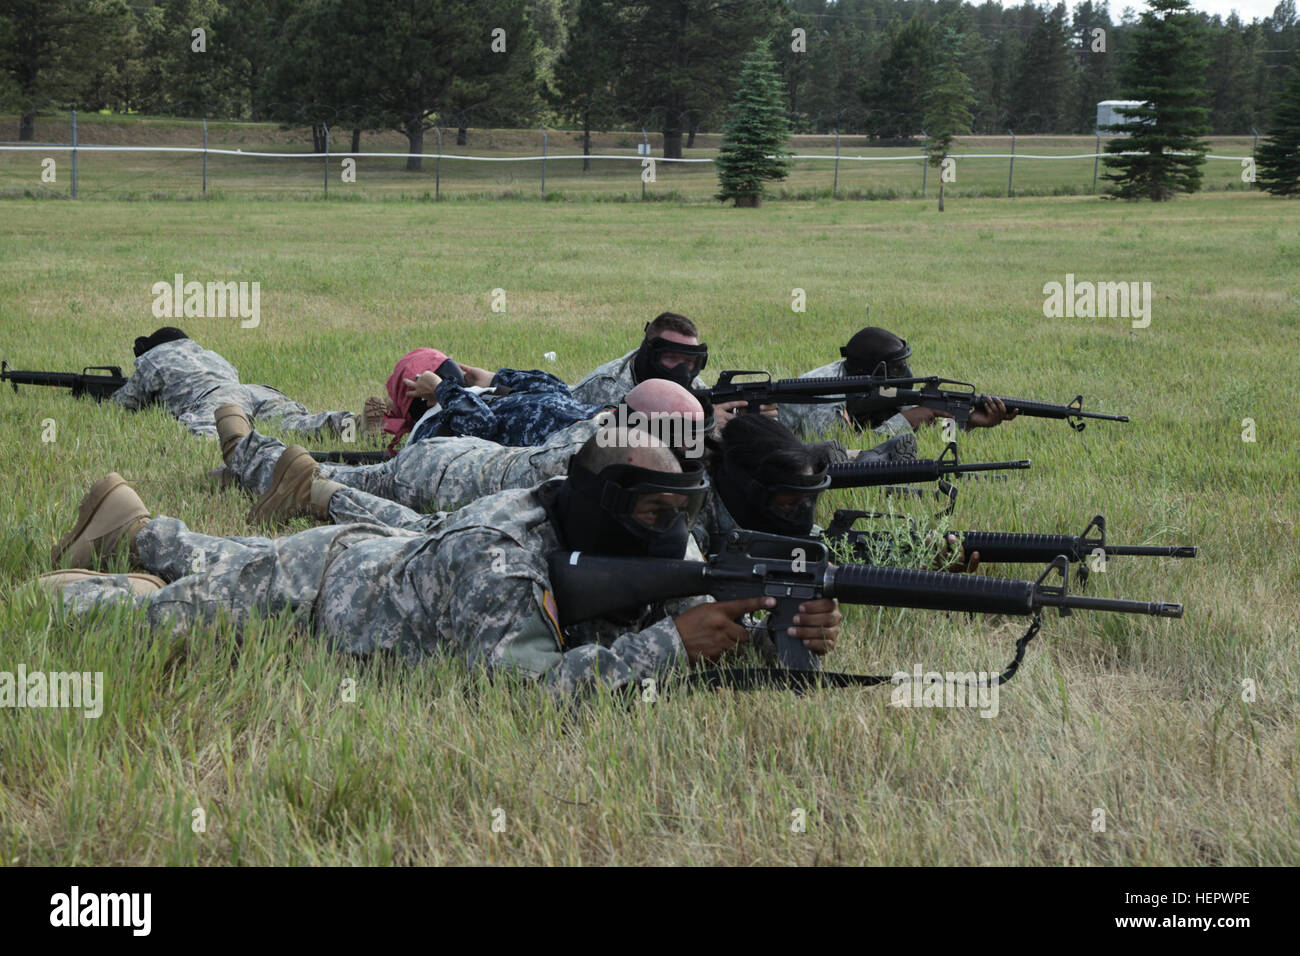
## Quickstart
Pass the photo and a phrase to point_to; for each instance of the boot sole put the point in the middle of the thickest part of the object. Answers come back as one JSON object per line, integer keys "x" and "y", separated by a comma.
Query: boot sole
{"x": 86, "y": 511}
{"x": 140, "y": 583}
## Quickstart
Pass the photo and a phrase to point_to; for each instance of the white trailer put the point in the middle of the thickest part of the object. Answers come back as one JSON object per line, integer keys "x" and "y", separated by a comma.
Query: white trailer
{"x": 1108, "y": 111}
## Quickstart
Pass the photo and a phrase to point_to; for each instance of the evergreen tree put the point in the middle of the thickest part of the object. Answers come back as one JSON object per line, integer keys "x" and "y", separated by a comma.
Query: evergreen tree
{"x": 755, "y": 137}
{"x": 1045, "y": 77}
{"x": 896, "y": 101}
{"x": 1097, "y": 53}
{"x": 1278, "y": 159}
{"x": 585, "y": 74}
{"x": 1165, "y": 71}
{"x": 678, "y": 58}
{"x": 948, "y": 100}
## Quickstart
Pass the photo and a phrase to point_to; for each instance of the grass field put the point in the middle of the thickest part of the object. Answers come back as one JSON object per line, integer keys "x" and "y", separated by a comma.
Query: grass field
{"x": 1142, "y": 718}
{"x": 146, "y": 175}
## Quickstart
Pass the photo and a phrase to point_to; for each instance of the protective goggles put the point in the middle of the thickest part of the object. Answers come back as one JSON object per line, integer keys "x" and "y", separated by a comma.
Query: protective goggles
{"x": 696, "y": 356}
{"x": 620, "y": 488}
{"x": 790, "y": 497}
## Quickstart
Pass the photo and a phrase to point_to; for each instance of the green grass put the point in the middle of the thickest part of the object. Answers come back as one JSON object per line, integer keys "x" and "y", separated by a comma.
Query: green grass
{"x": 1141, "y": 717}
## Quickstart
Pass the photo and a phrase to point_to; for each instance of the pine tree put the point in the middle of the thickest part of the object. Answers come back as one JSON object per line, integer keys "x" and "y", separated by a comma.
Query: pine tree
{"x": 1165, "y": 70}
{"x": 1278, "y": 159}
{"x": 948, "y": 100}
{"x": 755, "y": 138}
{"x": 896, "y": 101}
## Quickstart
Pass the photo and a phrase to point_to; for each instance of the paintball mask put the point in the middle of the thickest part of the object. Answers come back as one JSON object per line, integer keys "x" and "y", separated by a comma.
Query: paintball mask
{"x": 776, "y": 503}
{"x": 619, "y": 512}
{"x": 684, "y": 362}
{"x": 878, "y": 353}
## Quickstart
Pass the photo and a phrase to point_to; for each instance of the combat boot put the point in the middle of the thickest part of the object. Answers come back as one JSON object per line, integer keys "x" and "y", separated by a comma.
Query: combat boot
{"x": 110, "y": 513}
{"x": 322, "y": 490}
{"x": 372, "y": 418}
{"x": 290, "y": 491}
{"x": 902, "y": 447}
{"x": 233, "y": 424}
{"x": 56, "y": 581}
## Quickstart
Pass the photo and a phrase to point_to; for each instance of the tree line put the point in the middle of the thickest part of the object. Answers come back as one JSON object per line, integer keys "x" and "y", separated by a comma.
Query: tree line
{"x": 857, "y": 66}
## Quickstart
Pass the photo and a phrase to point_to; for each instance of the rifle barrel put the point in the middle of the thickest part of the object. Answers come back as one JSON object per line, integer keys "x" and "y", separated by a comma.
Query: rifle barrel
{"x": 1018, "y": 465}
{"x": 852, "y": 474}
{"x": 1144, "y": 551}
{"x": 1053, "y": 410}
{"x": 1080, "y": 602}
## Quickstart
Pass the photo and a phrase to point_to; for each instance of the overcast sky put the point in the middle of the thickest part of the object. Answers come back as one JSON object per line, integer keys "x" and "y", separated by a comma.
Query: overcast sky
{"x": 1246, "y": 9}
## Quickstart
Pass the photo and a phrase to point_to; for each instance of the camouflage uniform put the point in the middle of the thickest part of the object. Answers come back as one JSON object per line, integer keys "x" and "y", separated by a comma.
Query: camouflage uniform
{"x": 440, "y": 473}
{"x": 820, "y": 419}
{"x": 192, "y": 382}
{"x": 476, "y": 587}
{"x": 536, "y": 405}
{"x": 608, "y": 383}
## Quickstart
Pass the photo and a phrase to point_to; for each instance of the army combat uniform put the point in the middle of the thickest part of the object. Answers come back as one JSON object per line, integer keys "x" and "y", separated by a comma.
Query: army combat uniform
{"x": 476, "y": 587}
{"x": 535, "y": 404}
{"x": 608, "y": 383}
{"x": 819, "y": 419}
{"x": 191, "y": 382}
{"x": 436, "y": 473}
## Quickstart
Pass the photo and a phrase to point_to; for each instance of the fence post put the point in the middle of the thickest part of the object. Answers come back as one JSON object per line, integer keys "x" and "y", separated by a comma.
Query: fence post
{"x": 74, "y": 154}
{"x": 1096, "y": 159}
{"x": 645, "y": 139}
{"x": 325, "y": 127}
{"x": 1254, "y": 143}
{"x": 835, "y": 186}
{"x": 437, "y": 167}
{"x": 925, "y": 167}
{"x": 205, "y": 155}
{"x": 1011, "y": 170}
{"x": 543, "y": 162}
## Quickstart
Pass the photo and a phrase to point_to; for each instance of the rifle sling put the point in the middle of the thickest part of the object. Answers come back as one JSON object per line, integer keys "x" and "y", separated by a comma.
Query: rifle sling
{"x": 777, "y": 678}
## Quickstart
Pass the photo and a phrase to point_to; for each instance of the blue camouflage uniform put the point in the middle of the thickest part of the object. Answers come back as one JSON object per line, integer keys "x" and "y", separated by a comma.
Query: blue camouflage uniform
{"x": 538, "y": 404}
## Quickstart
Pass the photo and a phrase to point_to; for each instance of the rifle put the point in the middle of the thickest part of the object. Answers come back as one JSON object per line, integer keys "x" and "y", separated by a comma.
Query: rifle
{"x": 959, "y": 404}
{"x": 998, "y": 547}
{"x": 97, "y": 387}
{"x": 794, "y": 570}
{"x": 866, "y": 474}
{"x": 351, "y": 457}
